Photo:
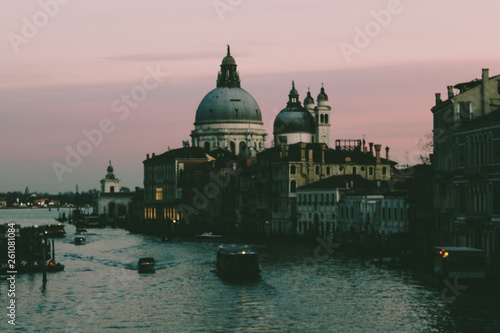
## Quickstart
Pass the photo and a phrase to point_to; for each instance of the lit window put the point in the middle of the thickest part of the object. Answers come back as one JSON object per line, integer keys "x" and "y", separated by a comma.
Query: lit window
{"x": 159, "y": 193}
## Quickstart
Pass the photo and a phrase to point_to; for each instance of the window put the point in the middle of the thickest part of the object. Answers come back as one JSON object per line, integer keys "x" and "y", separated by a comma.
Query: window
{"x": 326, "y": 117}
{"x": 328, "y": 170}
{"x": 370, "y": 171}
{"x": 293, "y": 186}
{"x": 464, "y": 111}
{"x": 384, "y": 171}
{"x": 112, "y": 189}
{"x": 317, "y": 170}
{"x": 159, "y": 193}
{"x": 293, "y": 170}
{"x": 354, "y": 170}
{"x": 322, "y": 119}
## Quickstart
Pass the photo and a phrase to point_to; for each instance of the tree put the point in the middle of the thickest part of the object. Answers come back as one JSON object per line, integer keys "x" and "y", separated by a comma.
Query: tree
{"x": 426, "y": 146}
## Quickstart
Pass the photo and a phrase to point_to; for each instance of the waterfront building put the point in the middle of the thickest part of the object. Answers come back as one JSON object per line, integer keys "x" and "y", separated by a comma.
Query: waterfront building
{"x": 344, "y": 207}
{"x": 467, "y": 165}
{"x": 282, "y": 169}
{"x": 110, "y": 201}
{"x": 228, "y": 117}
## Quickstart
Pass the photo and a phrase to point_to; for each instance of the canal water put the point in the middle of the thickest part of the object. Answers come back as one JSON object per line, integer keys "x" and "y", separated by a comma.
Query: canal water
{"x": 302, "y": 289}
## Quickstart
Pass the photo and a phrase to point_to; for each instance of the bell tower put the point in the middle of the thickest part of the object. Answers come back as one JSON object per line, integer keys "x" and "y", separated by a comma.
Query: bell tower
{"x": 322, "y": 117}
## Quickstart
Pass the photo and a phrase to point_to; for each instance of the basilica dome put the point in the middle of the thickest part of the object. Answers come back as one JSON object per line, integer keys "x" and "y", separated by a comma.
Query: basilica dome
{"x": 228, "y": 117}
{"x": 228, "y": 105}
{"x": 294, "y": 118}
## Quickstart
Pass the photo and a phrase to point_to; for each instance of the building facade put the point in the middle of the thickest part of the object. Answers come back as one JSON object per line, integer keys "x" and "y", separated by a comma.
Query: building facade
{"x": 110, "y": 201}
{"x": 467, "y": 165}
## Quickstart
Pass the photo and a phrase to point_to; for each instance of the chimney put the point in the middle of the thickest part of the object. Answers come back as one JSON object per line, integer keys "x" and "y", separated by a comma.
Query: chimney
{"x": 377, "y": 150}
{"x": 486, "y": 92}
{"x": 147, "y": 156}
{"x": 364, "y": 146}
{"x": 387, "y": 153}
{"x": 438, "y": 98}
{"x": 153, "y": 155}
{"x": 302, "y": 152}
{"x": 371, "y": 148}
{"x": 450, "y": 92}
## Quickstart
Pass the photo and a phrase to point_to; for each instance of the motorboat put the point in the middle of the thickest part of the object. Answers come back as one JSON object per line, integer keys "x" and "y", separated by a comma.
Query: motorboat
{"x": 54, "y": 230}
{"x": 237, "y": 261}
{"x": 208, "y": 235}
{"x": 146, "y": 265}
{"x": 80, "y": 240}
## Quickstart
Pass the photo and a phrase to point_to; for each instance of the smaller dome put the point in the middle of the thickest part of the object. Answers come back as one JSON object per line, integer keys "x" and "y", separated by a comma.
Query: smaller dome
{"x": 294, "y": 91}
{"x": 110, "y": 168}
{"x": 228, "y": 60}
{"x": 322, "y": 96}
{"x": 296, "y": 120}
{"x": 309, "y": 99}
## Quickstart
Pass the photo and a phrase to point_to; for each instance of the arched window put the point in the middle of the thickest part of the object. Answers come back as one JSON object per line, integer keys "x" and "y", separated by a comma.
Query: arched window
{"x": 322, "y": 118}
{"x": 243, "y": 147}
{"x": 326, "y": 119}
{"x": 293, "y": 186}
{"x": 232, "y": 147}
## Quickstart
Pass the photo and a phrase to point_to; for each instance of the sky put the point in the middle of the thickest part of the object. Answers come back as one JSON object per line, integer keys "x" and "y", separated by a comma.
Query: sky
{"x": 66, "y": 66}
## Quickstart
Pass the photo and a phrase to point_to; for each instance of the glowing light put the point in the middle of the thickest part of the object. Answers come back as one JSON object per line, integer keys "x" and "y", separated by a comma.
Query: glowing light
{"x": 243, "y": 252}
{"x": 445, "y": 254}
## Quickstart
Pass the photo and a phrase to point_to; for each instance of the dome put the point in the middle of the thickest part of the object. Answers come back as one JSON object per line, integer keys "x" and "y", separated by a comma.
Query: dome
{"x": 228, "y": 60}
{"x": 228, "y": 105}
{"x": 294, "y": 120}
{"x": 110, "y": 168}
{"x": 309, "y": 99}
{"x": 322, "y": 96}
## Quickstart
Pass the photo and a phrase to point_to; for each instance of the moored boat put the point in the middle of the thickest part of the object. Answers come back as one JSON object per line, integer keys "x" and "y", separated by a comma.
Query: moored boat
{"x": 238, "y": 261}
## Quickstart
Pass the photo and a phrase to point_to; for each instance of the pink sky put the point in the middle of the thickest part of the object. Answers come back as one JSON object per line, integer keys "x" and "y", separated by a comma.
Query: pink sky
{"x": 63, "y": 78}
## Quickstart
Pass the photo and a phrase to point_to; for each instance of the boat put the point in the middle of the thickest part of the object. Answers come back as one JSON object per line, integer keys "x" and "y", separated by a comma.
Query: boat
{"x": 238, "y": 261}
{"x": 146, "y": 265}
{"x": 464, "y": 263}
{"x": 80, "y": 240}
{"x": 25, "y": 268}
{"x": 54, "y": 230}
{"x": 208, "y": 235}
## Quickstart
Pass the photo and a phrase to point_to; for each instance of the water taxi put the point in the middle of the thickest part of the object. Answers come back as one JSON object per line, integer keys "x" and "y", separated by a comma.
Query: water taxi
{"x": 237, "y": 261}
